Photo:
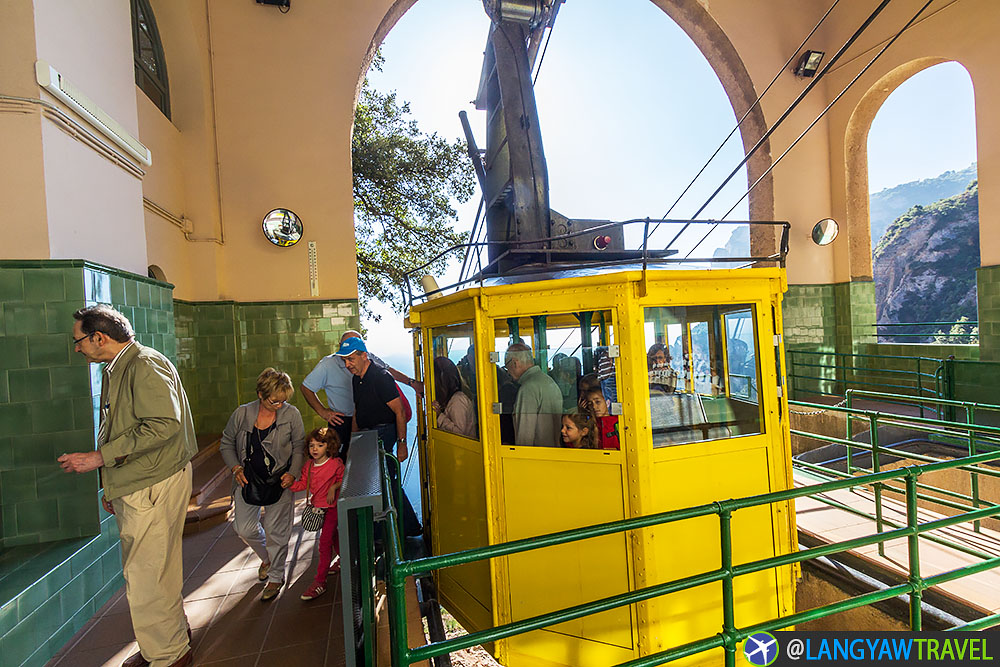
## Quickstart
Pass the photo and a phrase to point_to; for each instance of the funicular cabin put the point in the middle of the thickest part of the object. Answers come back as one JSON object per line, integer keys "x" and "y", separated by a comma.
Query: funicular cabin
{"x": 683, "y": 368}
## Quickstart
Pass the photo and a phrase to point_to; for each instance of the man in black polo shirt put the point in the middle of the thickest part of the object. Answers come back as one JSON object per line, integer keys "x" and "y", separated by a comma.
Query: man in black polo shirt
{"x": 377, "y": 406}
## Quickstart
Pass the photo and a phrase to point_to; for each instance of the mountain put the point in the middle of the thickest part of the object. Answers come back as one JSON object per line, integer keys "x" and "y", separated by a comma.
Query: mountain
{"x": 887, "y": 205}
{"x": 925, "y": 264}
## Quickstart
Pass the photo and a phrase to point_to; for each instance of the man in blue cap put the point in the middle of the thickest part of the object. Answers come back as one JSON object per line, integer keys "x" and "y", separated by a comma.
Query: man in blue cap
{"x": 332, "y": 377}
{"x": 377, "y": 406}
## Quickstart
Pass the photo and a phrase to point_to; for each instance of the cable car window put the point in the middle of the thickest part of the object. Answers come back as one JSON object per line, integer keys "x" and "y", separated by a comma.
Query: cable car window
{"x": 556, "y": 380}
{"x": 454, "y": 387}
{"x": 703, "y": 373}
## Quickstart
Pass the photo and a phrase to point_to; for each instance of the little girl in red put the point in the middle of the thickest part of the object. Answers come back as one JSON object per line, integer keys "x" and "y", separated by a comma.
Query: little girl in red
{"x": 324, "y": 474}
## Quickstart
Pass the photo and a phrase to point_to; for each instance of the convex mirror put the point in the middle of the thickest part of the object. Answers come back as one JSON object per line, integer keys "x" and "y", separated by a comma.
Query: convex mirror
{"x": 825, "y": 231}
{"x": 282, "y": 227}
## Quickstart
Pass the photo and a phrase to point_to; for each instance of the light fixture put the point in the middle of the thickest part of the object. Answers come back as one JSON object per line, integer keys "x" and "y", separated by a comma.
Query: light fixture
{"x": 282, "y": 5}
{"x": 809, "y": 63}
{"x": 825, "y": 231}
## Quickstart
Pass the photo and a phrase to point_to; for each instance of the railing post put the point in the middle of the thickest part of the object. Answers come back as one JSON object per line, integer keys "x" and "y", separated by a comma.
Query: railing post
{"x": 399, "y": 644}
{"x": 916, "y": 583}
{"x": 873, "y": 425}
{"x": 949, "y": 385}
{"x": 728, "y": 613}
{"x": 970, "y": 419}
{"x": 920, "y": 387}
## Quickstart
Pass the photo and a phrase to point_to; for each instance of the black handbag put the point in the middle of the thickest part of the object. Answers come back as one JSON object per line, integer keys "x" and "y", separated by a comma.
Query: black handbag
{"x": 260, "y": 490}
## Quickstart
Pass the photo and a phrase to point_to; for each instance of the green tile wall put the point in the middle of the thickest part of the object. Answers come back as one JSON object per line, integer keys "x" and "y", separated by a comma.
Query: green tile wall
{"x": 206, "y": 360}
{"x": 808, "y": 314}
{"x": 988, "y": 286}
{"x": 60, "y": 558}
{"x": 223, "y": 346}
{"x": 48, "y": 592}
{"x": 46, "y": 406}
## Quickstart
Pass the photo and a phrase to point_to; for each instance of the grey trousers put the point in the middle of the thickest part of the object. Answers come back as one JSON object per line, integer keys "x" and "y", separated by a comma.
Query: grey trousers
{"x": 266, "y": 530}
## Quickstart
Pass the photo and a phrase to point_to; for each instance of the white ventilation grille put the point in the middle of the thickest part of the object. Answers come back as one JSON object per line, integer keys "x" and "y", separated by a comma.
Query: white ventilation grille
{"x": 54, "y": 82}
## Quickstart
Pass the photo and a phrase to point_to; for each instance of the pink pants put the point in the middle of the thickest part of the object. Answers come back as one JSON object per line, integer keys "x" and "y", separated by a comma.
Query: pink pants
{"x": 329, "y": 539}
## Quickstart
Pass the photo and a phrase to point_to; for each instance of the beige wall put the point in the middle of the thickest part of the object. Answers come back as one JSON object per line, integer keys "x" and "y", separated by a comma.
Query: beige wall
{"x": 71, "y": 198}
{"x": 262, "y": 108}
{"x": 960, "y": 31}
{"x": 263, "y": 124}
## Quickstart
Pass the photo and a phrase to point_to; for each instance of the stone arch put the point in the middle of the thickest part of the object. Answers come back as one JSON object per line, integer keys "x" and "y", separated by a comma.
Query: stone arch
{"x": 724, "y": 60}
{"x": 856, "y": 163}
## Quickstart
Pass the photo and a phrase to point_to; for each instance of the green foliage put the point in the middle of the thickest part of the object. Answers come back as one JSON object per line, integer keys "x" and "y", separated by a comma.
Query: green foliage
{"x": 404, "y": 184}
{"x": 959, "y": 333}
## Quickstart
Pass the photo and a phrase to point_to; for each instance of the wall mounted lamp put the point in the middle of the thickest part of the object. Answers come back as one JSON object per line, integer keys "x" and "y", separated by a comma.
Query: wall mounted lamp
{"x": 809, "y": 63}
{"x": 282, "y": 5}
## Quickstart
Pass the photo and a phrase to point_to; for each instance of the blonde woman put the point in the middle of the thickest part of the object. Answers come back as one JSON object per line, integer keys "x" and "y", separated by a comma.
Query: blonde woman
{"x": 264, "y": 446}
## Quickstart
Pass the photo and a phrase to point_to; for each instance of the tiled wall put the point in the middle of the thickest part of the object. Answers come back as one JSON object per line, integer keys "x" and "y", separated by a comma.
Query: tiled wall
{"x": 48, "y": 592}
{"x": 988, "y": 286}
{"x": 206, "y": 360}
{"x": 52, "y": 580}
{"x": 223, "y": 347}
{"x": 808, "y": 313}
{"x": 45, "y": 405}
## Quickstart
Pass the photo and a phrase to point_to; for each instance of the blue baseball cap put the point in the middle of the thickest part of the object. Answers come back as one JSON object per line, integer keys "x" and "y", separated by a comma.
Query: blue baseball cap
{"x": 350, "y": 346}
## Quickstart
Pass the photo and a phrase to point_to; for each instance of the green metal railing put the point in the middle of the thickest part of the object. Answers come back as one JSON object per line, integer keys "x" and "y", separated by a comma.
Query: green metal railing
{"x": 975, "y": 437}
{"x": 398, "y": 568}
{"x": 910, "y": 330}
{"x": 809, "y": 372}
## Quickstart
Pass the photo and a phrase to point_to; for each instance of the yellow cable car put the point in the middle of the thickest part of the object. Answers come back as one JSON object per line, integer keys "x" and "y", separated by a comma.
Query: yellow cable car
{"x": 678, "y": 372}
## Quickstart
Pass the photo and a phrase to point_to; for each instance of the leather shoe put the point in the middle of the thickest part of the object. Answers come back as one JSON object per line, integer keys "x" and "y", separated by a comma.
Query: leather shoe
{"x": 135, "y": 660}
{"x": 185, "y": 660}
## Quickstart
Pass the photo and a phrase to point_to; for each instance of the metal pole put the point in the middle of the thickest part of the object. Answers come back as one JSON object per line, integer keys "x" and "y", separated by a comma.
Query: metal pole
{"x": 396, "y": 581}
{"x": 916, "y": 591}
{"x": 970, "y": 419}
{"x": 541, "y": 343}
{"x": 513, "y": 327}
{"x": 920, "y": 387}
{"x": 873, "y": 422}
{"x": 728, "y": 613}
{"x": 586, "y": 342}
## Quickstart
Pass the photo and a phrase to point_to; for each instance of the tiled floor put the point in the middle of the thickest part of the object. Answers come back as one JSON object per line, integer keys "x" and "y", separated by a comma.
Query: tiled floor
{"x": 230, "y": 625}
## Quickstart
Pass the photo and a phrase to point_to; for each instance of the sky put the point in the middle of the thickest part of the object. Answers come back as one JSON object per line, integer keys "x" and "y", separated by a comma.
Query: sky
{"x": 630, "y": 110}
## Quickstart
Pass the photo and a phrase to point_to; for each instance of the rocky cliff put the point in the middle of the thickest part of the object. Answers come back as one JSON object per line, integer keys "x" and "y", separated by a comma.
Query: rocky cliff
{"x": 925, "y": 264}
{"x": 888, "y": 204}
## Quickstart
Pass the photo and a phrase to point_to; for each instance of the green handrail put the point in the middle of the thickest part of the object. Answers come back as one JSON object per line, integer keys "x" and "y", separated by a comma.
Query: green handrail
{"x": 844, "y": 371}
{"x": 727, "y": 639}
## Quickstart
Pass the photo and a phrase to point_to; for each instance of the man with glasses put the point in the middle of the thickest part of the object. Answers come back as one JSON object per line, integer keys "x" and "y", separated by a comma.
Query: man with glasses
{"x": 538, "y": 408}
{"x": 145, "y": 443}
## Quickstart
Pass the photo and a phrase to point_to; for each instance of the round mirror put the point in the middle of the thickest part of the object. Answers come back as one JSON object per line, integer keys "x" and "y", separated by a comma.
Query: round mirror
{"x": 282, "y": 227}
{"x": 825, "y": 231}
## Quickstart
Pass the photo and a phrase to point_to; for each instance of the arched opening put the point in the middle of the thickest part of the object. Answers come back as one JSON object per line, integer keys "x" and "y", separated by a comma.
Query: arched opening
{"x": 719, "y": 52}
{"x": 156, "y": 273}
{"x": 923, "y": 207}
{"x": 147, "y": 51}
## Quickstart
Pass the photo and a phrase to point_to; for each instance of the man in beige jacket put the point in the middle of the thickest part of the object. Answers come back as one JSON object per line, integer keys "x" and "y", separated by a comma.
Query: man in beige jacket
{"x": 144, "y": 447}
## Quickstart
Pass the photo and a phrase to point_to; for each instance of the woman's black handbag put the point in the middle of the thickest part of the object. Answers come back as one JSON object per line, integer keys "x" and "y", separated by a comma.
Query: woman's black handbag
{"x": 261, "y": 490}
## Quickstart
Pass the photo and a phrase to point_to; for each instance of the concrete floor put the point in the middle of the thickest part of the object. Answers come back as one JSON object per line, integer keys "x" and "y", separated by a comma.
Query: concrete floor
{"x": 230, "y": 625}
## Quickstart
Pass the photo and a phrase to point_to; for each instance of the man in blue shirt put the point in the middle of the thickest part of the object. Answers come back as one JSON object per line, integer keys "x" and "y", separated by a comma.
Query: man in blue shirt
{"x": 332, "y": 377}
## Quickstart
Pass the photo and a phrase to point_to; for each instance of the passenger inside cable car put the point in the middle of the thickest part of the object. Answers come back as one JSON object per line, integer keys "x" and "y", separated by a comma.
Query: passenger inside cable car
{"x": 715, "y": 395}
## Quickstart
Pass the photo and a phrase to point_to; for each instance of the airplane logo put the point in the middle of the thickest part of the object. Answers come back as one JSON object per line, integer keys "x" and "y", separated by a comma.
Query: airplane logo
{"x": 761, "y": 649}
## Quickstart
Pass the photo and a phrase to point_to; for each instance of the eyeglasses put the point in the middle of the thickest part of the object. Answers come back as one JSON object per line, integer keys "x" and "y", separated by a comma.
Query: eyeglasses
{"x": 273, "y": 402}
{"x": 77, "y": 341}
